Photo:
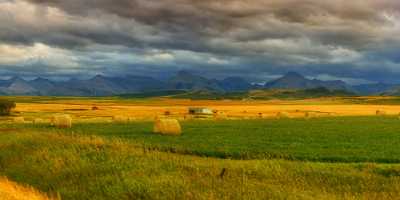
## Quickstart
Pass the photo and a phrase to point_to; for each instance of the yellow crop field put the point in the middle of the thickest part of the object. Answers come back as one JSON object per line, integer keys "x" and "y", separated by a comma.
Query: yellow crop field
{"x": 104, "y": 110}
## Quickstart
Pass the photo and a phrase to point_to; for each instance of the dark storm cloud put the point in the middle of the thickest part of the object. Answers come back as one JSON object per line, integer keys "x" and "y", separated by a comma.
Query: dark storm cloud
{"x": 338, "y": 37}
{"x": 185, "y": 21}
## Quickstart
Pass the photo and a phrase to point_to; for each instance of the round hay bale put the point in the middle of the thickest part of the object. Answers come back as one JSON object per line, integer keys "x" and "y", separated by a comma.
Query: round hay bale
{"x": 310, "y": 115}
{"x": 220, "y": 116}
{"x": 188, "y": 117}
{"x": 62, "y": 121}
{"x": 19, "y": 120}
{"x": 380, "y": 113}
{"x": 120, "y": 119}
{"x": 38, "y": 121}
{"x": 132, "y": 119}
{"x": 167, "y": 127}
{"x": 281, "y": 115}
{"x": 52, "y": 120}
{"x": 332, "y": 114}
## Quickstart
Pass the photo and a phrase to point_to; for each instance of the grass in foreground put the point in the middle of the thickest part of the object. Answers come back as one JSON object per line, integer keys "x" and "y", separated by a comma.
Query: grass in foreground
{"x": 342, "y": 139}
{"x": 12, "y": 191}
{"x": 82, "y": 167}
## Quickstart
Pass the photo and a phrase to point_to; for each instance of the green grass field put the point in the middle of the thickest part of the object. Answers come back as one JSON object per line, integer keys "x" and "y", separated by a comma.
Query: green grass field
{"x": 344, "y": 139}
{"x": 324, "y": 158}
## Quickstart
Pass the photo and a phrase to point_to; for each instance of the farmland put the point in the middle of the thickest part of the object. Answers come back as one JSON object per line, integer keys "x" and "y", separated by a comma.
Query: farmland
{"x": 333, "y": 139}
{"x": 344, "y": 152}
{"x": 147, "y": 109}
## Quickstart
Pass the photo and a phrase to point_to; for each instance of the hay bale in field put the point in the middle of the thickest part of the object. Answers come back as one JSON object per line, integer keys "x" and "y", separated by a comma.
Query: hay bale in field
{"x": 260, "y": 115}
{"x": 62, "y": 121}
{"x": 380, "y": 113}
{"x": 220, "y": 116}
{"x": 332, "y": 114}
{"x": 38, "y": 121}
{"x": 132, "y": 119}
{"x": 310, "y": 115}
{"x": 52, "y": 119}
{"x": 19, "y": 120}
{"x": 120, "y": 119}
{"x": 167, "y": 127}
{"x": 188, "y": 117}
{"x": 281, "y": 115}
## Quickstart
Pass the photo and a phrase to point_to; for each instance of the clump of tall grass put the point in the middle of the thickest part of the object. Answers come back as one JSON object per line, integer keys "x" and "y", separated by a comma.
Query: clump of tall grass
{"x": 12, "y": 191}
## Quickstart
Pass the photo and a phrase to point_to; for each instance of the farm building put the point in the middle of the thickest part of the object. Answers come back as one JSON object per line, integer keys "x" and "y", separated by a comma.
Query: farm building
{"x": 200, "y": 111}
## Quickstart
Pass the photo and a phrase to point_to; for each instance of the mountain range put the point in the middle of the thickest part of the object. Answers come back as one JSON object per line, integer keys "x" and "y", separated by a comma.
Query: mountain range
{"x": 182, "y": 81}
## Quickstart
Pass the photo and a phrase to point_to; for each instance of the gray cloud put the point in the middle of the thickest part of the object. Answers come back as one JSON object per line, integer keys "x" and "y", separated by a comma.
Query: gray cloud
{"x": 350, "y": 39}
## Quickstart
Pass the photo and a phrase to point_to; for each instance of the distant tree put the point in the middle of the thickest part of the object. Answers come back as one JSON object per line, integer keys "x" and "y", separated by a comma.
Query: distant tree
{"x": 6, "y": 107}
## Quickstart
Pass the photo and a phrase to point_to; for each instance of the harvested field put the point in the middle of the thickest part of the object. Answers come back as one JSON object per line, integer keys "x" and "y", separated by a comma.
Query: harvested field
{"x": 148, "y": 110}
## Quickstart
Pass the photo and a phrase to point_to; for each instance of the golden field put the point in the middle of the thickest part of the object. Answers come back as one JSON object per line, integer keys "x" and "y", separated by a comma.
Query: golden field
{"x": 147, "y": 109}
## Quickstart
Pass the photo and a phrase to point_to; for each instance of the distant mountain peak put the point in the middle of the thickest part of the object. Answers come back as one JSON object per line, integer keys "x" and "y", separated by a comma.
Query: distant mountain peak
{"x": 234, "y": 78}
{"x": 293, "y": 75}
{"x": 99, "y": 77}
{"x": 186, "y": 74}
{"x": 294, "y": 80}
{"x": 73, "y": 79}
{"x": 18, "y": 86}
{"x": 41, "y": 79}
{"x": 16, "y": 78}
{"x": 185, "y": 80}
{"x": 235, "y": 83}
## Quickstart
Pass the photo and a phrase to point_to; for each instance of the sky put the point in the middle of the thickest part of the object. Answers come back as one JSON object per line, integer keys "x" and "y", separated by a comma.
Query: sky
{"x": 354, "y": 40}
